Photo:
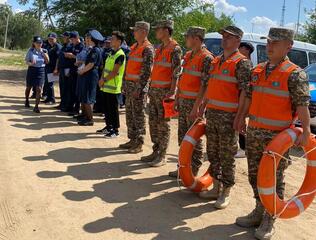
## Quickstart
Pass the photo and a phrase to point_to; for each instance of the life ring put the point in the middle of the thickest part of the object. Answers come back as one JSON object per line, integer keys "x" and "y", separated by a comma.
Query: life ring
{"x": 185, "y": 158}
{"x": 266, "y": 179}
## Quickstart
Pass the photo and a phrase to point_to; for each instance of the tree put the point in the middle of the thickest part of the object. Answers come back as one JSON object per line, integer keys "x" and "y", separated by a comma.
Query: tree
{"x": 110, "y": 15}
{"x": 22, "y": 27}
{"x": 310, "y": 28}
{"x": 203, "y": 16}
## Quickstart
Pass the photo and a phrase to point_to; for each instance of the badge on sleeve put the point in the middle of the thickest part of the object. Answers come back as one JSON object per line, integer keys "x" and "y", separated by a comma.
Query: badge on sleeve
{"x": 254, "y": 78}
{"x": 275, "y": 84}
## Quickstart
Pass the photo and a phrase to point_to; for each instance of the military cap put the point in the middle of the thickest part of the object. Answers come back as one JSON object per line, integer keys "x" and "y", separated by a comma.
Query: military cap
{"x": 247, "y": 45}
{"x": 96, "y": 35}
{"x": 141, "y": 25}
{"x": 233, "y": 30}
{"x": 74, "y": 34}
{"x": 52, "y": 35}
{"x": 196, "y": 31}
{"x": 164, "y": 24}
{"x": 37, "y": 39}
{"x": 279, "y": 34}
{"x": 65, "y": 34}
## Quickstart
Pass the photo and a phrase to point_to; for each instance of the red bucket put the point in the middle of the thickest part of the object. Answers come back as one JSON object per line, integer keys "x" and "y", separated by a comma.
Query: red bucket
{"x": 168, "y": 105}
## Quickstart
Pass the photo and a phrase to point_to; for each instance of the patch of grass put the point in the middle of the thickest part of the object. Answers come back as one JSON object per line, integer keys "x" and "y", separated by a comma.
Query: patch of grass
{"x": 12, "y": 58}
{"x": 4, "y": 50}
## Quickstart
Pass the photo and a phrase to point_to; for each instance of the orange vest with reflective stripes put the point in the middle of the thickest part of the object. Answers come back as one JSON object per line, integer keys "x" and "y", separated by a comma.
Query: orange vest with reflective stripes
{"x": 222, "y": 91}
{"x": 190, "y": 80}
{"x": 271, "y": 106}
{"x": 135, "y": 61}
{"x": 161, "y": 76}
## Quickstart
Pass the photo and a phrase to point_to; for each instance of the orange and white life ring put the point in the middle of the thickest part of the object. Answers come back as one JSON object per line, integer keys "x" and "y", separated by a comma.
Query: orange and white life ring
{"x": 266, "y": 176}
{"x": 185, "y": 158}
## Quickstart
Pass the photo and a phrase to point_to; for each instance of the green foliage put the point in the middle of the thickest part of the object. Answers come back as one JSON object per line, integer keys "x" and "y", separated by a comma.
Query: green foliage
{"x": 203, "y": 16}
{"x": 22, "y": 28}
{"x": 310, "y": 27}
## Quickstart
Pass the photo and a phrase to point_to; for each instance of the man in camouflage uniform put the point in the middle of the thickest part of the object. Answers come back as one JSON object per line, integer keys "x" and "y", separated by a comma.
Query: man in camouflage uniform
{"x": 137, "y": 76}
{"x": 188, "y": 105}
{"x": 229, "y": 77}
{"x": 280, "y": 42}
{"x": 164, "y": 78}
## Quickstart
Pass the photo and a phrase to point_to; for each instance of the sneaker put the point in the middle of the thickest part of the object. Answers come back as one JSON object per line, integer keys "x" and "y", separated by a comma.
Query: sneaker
{"x": 50, "y": 103}
{"x": 104, "y": 131}
{"x": 27, "y": 104}
{"x": 240, "y": 154}
{"x": 112, "y": 134}
{"x": 86, "y": 123}
{"x": 36, "y": 110}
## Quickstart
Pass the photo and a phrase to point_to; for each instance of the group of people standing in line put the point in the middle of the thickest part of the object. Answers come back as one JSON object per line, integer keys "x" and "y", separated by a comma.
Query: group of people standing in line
{"x": 226, "y": 90}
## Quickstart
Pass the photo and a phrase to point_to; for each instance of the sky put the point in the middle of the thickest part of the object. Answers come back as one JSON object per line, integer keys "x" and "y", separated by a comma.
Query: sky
{"x": 251, "y": 15}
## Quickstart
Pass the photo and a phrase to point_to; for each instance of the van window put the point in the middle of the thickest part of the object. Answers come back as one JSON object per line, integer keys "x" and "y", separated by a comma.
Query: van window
{"x": 298, "y": 57}
{"x": 261, "y": 53}
{"x": 312, "y": 57}
{"x": 214, "y": 45}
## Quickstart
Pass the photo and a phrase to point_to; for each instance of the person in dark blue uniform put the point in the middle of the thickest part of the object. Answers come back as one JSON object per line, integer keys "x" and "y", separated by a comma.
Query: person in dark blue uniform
{"x": 63, "y": 68}
{"x": 90, "y": 73}
{"x": 36, "y": 58}
{"x": 73, "y": 104}
{"x": 53, "y": 49}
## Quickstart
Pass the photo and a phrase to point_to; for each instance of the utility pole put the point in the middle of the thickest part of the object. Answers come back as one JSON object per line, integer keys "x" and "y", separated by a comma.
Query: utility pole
{"x": 298, "y": 16}
{"x": 6, "y": 31}
{"x": 283, "y": 14}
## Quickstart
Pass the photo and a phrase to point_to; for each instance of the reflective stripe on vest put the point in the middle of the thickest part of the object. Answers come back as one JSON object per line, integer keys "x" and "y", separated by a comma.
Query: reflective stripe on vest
{"x": 163, "y": 64}
{"x": 188, "y": 93}
{"x": 109, "y": 87}
{"x": 191, "y": 72}
{"x": 270, "y": 122}
{"x": 222, "y": 104}
{"x": 133, "y": 76}
{"x": 136, "y": 59}
{"x": 162, "y": 83}
{"x": 224, "y": 78}
{"x": 279, "y": 93}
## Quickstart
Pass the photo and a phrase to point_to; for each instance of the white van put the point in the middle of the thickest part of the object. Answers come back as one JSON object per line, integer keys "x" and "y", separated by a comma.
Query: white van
{"x": 302, "y": 54}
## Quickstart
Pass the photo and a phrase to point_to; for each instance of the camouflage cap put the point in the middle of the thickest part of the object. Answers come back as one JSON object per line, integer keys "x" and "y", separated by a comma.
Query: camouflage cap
{"x": 280, "y": 34}
{"x": 141, "y": 25}
{"x": 233, "y": 30}
{"x": 164, "y": 24}
{"x": 196, "y": 31}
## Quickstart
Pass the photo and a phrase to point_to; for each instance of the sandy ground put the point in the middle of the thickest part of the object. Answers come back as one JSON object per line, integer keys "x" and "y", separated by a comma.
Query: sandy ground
{"x": 62, "y": 182}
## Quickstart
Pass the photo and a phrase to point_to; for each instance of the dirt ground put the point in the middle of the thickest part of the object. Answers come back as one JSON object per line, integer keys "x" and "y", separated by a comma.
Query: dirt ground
{"x": 60, "y": 181}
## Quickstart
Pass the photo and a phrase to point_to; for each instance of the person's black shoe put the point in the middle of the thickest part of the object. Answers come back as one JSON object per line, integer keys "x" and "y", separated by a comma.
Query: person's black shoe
{"x": 112, "y": 134}
{"x": 33, "y": 96}
{"x": 103, "y": 131}
{"x": 86, "y": 123}
{"x": 73, "y": 114}
{"x": 58, "y": 107}
{"x": 81, "y": 118}
{"x": 36, "y": 110}
{"x": 49, "y": 103}
{"x": 27, "y": 104}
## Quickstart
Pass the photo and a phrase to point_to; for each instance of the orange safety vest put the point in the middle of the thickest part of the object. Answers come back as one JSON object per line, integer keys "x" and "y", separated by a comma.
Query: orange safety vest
{"x": 271, "y": 106}
{"x": 222, "y": 91}
{"x": 190, "y": 80}
{"x": 135, "y": 61}
{"x": 161, "y": 76}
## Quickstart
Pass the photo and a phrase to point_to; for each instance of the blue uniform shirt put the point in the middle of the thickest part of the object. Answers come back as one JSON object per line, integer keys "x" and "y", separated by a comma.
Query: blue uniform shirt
{"x": 94, "y": 56}
{"x": 34, "y": 54}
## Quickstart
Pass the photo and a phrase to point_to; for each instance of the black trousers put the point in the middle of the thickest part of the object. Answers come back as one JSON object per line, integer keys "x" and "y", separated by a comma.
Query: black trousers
{"x": 111, "y": 110}
{"x": 242, "y": 141}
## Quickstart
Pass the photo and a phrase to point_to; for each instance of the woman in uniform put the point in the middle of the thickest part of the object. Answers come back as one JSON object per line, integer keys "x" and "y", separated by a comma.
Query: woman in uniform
{"x": 36, "y": 58}
{"x": 90, "y": 74}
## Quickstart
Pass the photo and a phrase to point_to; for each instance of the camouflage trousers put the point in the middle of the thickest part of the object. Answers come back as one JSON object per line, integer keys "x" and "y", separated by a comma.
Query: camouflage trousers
{"x": 256, "y": 142}
{"x": 135, "y": 114}
{"x": 185, "y": 107}
{"x": 221, "y": 145}
{"x": 158, "y": 125}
